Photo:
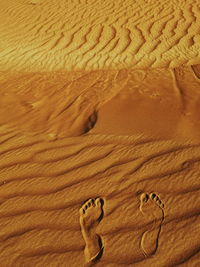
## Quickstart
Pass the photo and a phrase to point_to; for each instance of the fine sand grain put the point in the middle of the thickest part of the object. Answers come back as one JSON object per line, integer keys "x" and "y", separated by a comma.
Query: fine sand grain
{"x": 44, "y": 183}
{"x": 99, "y": 133}
{"x": 130, "y": 162}
{"x": 79, "y": 34}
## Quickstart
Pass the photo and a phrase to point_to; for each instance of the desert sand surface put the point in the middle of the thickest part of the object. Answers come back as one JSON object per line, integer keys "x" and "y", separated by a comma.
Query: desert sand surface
{"x": 99, "y": 133}
{"x": 91, "y": 34}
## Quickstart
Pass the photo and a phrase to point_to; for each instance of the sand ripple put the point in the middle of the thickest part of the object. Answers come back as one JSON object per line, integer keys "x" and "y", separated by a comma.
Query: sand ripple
{"x": 55, "y": 35}
{"x": 44, "y": 183}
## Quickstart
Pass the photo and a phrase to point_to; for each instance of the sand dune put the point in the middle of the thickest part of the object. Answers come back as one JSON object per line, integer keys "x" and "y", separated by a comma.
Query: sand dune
{"x": 61, "y": 104}
{"x": 99, "y": 133}
{"x": 69, "y": 35}
{"x": 160, "y": 103}
{"x": 43, "y": 188}
{"x": 64, "y": 142}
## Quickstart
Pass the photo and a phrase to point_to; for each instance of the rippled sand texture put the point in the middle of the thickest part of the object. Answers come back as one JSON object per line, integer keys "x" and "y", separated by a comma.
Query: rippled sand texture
{"x": 99, "y": 133}
{"x": 60, "y": 147}
{"x": 44, "y": 184}
{"x": 64, "y": 34}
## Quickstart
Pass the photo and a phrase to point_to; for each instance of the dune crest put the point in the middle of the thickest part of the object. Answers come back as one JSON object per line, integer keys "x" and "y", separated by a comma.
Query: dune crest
{"x": 160, "y": 103}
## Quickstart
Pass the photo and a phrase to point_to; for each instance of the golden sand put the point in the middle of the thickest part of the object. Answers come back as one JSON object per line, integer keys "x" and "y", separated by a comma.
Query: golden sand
{"x": 99, "y": 133}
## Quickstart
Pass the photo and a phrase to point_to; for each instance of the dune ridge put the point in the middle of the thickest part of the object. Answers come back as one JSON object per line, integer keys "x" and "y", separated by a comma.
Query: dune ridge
{"x": 66, "y": 104}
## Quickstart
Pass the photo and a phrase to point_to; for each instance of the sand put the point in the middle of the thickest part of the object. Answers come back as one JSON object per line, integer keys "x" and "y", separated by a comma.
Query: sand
{"x": 43, "y": 35}
{"x": 99, "y": 133}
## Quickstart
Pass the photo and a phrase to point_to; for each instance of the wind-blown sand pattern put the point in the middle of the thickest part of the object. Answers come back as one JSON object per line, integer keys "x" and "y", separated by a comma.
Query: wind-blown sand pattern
{"x": 99, "y": 133}
{"x": 44, "y": 183}
{"x": 64, "y": 34}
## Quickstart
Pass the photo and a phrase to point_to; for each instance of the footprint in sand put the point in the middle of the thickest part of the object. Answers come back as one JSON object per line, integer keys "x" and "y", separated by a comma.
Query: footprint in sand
{"x": 91, "y": 122}
{"x": 91, "y": 214}
{"x": 152, "y": 208}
